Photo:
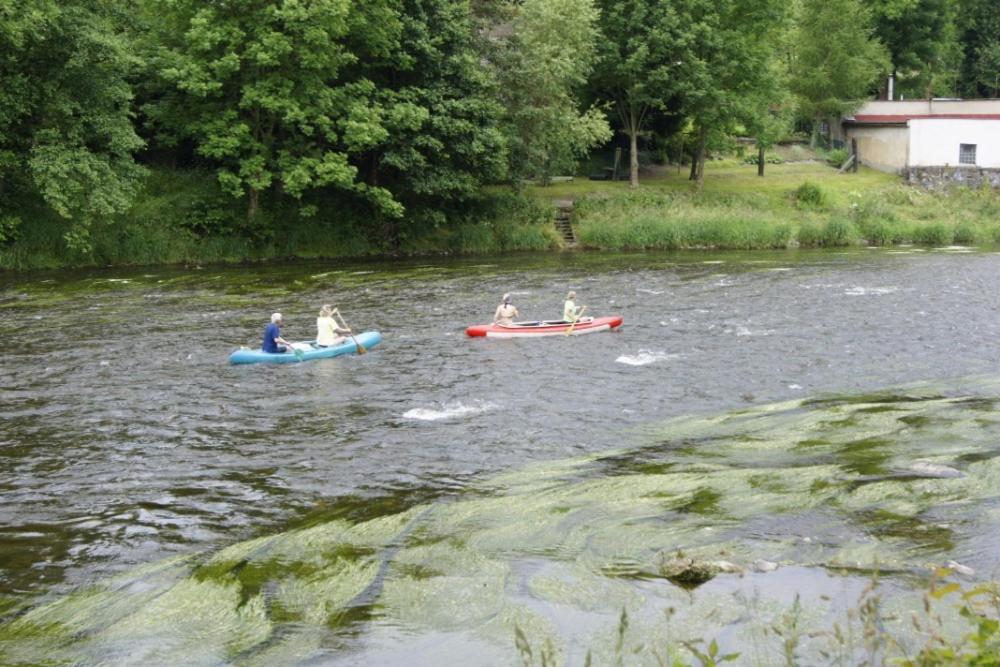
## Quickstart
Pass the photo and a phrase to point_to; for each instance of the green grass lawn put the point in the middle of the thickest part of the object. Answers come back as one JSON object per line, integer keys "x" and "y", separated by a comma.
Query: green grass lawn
{"x": 735, "y": 208}
{"x": 732, "y": 177}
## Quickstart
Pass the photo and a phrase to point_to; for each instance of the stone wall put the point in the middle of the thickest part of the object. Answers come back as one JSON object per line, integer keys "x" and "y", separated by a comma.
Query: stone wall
{"x": 941, "y": 177}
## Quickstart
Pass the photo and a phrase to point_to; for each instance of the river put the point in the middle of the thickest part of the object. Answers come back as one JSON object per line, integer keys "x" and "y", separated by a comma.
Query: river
{"x": 132, "y": 456}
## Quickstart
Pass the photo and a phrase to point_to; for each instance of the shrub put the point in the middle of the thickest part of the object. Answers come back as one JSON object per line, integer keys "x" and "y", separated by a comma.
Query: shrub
{"x": 937, "y": 234}
{"x": 809, "y": 234}
{"x": 836, "y": 232}
{"x": 769, "y": 158}
{"x": 837, "y": 157}
{"x": 9, "y": 228}
{"x": 884, "y": 231}
{"x": 810, "y": 195}
{"x": 967, "y": 233}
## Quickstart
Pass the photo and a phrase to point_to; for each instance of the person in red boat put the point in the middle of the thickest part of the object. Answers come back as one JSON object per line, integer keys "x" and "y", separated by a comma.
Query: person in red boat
{"x": 506, "y": 312}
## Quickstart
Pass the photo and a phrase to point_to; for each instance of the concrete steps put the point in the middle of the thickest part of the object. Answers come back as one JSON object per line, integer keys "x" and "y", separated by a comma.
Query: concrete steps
{"x": 564, "y": 221}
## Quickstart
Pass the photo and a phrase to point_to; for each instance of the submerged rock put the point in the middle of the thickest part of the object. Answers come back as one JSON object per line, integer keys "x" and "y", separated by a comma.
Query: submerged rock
{"x": 964, "y": 570}
{"x": 764, "y": 566}
{"x": 935, "y": 470}
{"x": 688, "y": 572}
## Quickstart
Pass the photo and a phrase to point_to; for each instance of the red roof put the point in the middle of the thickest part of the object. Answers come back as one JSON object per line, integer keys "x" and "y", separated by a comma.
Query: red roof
{"x": 902, "y": 118}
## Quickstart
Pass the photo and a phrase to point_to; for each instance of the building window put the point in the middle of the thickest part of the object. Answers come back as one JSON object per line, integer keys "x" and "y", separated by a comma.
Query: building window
{"x": 967, "y": 154}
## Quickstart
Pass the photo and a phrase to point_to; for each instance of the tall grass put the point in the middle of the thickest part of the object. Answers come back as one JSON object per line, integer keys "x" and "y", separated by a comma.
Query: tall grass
{"x": 675, "y": 222}
{"x": 808, "y": 216}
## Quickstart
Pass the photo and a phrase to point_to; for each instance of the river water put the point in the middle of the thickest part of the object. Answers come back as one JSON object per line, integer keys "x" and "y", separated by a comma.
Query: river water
{"x": 404, "y": 499}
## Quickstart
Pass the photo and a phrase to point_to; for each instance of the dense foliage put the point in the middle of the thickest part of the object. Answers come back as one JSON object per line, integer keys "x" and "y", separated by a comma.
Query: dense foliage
{"x": 385, "y": 118}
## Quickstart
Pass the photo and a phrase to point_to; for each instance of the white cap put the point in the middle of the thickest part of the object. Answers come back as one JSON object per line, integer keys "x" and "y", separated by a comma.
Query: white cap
{"x": 276, "y": 317}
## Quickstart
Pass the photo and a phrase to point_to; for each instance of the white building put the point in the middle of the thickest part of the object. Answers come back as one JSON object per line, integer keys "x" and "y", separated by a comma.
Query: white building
{"x": 957, "y": 138}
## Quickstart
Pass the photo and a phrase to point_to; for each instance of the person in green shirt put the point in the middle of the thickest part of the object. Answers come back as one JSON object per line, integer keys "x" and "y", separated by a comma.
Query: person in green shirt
{"x": 571, "y": 313}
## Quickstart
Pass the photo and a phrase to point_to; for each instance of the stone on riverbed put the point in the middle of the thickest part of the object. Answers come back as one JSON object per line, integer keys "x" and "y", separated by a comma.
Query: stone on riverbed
{"x": 765, "y": 566}
{"x": 689, "y": 572}
{"x": 935, "y": 470}
{"x": 964, "y": 570}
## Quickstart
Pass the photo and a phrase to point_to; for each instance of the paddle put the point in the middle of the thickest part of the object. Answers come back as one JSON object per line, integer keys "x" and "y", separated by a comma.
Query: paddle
{"x": 361, "y": 348}
{"x": 575, "y": 320}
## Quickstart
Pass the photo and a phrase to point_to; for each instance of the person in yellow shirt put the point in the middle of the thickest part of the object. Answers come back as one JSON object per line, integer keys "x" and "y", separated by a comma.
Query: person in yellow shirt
{"x": 328, "y": 330}
{"x": 571, "y": 312}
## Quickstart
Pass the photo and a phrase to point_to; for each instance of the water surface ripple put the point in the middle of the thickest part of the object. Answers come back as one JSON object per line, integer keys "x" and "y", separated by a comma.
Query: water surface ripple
{"x": 126, "y": 437}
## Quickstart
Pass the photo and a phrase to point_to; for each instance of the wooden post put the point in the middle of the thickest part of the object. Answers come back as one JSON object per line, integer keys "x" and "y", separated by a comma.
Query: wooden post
{"x": 854, "y": 152}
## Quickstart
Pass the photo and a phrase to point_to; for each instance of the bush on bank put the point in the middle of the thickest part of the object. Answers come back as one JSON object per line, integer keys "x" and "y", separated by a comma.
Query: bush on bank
{"x": 891, "y": 216}
{"x": 182, "y": 217}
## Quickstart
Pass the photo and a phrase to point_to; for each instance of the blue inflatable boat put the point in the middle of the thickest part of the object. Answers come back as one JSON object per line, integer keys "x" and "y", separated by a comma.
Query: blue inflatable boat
{"x": 309, "y": 351}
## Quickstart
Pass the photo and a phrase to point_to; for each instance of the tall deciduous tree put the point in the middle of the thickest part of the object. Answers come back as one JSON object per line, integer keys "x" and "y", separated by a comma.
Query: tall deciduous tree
{"x": 66, "y": 130}
{"x": 550, "y": 55}
{"x": 769, "y": 113}
{"x": 639, "y": 53}
{"x": 443, "y": 138}
{"x": 979, "y": 31}
{"x": 920, "y": 37}
{"x": 271, "y": 91}
{"x": 726, "y": 70}
{"x": 836, "y": 60}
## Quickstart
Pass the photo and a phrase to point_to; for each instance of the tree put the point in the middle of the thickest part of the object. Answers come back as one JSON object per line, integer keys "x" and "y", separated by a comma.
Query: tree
{"x": 443, "y": 138}
{"x": 920, "y": 37}
{"x": 727, "y": 70}
{"x": 270, "y": 92}
{"x": 769, "y": 113}
{"x": 979, "y": 29}
{"x": 639, "y": 53}
{"x": 66, "y": 131}
{"x": 988, "y": 68}
{"x": 548, "y": 60}
{"x": 836, "y": 58}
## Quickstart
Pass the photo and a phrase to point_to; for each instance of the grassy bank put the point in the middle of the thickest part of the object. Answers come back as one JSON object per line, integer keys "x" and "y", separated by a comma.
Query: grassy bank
{"x": 182, "y": 217}
{"x": 796, "y": 204}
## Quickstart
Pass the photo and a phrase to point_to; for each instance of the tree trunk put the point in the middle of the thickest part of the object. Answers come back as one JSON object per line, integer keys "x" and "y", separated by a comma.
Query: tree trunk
{"x": 699, "y": 177}
{"x": 694, "y": 165}
{"x": 633, "y": 158}
{"x": 760, "y": 160}
{"x": 814, "y": 138}
{"x": 253, "y": 201}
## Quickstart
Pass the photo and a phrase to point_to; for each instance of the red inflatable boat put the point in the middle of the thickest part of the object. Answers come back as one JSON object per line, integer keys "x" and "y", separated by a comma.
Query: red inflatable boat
{"x": 545, "y": 328}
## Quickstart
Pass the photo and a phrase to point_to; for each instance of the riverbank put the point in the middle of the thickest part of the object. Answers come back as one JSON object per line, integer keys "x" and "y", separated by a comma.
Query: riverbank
{"x": 183, "y": 218}
{"x": 806, "y": 204}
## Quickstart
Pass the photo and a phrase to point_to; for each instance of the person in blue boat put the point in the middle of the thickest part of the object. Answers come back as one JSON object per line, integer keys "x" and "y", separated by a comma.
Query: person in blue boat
{"x": 273, "y": 342}
{"x": 328, "y": 330}
{"x": 506, "y": 312}
{"x": 572, "y": 312}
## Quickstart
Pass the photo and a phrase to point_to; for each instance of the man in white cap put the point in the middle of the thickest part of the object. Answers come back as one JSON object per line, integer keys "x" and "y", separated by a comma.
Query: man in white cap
{"x": 506, "y": 312}
{"x": 273, "y": 342}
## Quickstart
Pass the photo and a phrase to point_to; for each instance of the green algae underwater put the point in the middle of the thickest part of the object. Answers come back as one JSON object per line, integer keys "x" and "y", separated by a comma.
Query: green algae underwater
{"x": 787, "y": 513}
